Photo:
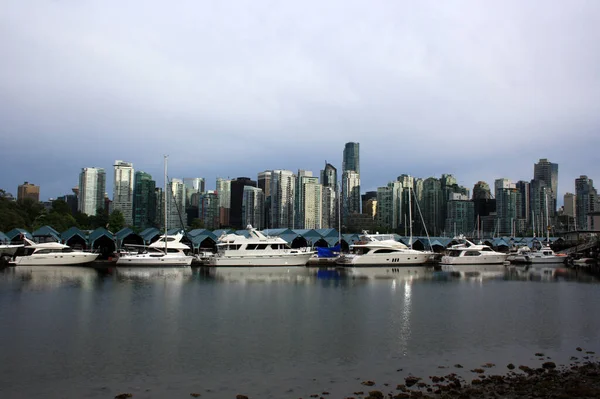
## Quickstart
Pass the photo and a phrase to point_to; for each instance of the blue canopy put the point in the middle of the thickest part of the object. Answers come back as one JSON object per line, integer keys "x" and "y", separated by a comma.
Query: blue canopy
{"x": 328, "y": 252}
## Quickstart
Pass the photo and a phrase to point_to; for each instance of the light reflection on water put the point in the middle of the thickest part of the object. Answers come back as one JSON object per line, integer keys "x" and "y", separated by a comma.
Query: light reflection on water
{"x": 80, "y": 332}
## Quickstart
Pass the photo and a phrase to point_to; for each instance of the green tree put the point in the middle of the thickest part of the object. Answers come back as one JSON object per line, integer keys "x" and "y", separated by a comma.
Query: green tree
{"x": 116, "y": 221}
{"x": 61, "y": 207}
{"x": 197, "y": 224}
{"x": 82, "y": 220}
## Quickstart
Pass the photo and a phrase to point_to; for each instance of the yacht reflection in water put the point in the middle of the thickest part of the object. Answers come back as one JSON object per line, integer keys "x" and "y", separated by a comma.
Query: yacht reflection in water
{"x": 257, "y": 273}
{"x": 144, "y": 273}
{"x": 50, "y": 277}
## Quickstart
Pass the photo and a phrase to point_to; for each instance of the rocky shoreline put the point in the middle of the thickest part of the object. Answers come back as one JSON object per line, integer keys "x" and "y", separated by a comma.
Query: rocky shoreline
{"x": 579, "y": 379}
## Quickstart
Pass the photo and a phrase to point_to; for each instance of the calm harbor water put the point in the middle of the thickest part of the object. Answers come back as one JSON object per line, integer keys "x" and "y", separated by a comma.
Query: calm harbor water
{"x": 79, "y": 332}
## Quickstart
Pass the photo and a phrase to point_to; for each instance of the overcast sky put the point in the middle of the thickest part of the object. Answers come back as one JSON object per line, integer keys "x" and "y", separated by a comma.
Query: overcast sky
{"x": 478, "y": 89}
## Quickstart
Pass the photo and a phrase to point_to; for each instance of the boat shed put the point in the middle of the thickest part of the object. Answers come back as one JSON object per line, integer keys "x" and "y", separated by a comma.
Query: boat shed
{"x": 220, "y": 232}
{"x": 15, "y": 235}
{"x": 202, "y": 239}
{"x": 126, "y": 236}
{"x": 46, "y": 233}
{"x": 74, "y": 238}
{"x": 328, "y": 233}
{"x": 4, "y": 238}
{"x": 103, "y": 241}
{"x": 310, "y": 235}
{"x": 150, "y": 235}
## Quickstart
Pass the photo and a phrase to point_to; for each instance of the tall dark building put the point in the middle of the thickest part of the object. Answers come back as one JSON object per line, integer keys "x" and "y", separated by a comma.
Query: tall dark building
{"x": 329, "y": 176}
{"x": 547, "y": 172}
{"x": 351, "y": 160}
{"x": 237, "y": 199}
{"x": 144, "y": 200}
{"x": 483, "y": 203}
{"x": 585, "y": 201}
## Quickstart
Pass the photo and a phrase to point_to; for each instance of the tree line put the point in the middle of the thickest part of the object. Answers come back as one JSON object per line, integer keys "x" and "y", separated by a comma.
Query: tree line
{"x": 30, "y": 215}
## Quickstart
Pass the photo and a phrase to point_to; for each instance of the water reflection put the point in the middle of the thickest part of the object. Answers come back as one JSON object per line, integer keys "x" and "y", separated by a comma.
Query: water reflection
{"x": 256, "y": 274}
{"x": 145, "y": 273}
{"x": 51, "y": 277}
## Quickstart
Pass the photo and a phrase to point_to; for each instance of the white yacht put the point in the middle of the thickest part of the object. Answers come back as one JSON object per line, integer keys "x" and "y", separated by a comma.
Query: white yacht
{"x": 257, "y": 250}
{"x": 8, "y": 250}
{"x": 51, "y": 254}
{"x": 468, "y": 253}
{"x": 168, "y": 250}
{"x": 382, "y": 250}
{"x": 544, "y": 255}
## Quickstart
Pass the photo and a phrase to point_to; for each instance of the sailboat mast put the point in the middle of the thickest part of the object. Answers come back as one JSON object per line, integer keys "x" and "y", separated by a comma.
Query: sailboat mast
{"x": 547, "y": 221}
{"x": 165, "y": 201}
{"x": 410, "y": 216}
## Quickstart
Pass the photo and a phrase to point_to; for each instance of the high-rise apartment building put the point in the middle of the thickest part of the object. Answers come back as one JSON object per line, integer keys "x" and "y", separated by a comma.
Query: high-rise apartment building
{"x": 351, "y": 159}
{"x": 350, "y": 180}
{"x": 144, "y": 201}
{"x": 124, "y": 178}
{"x": 331, "y": 197}
{"x": 431, "y": 204}
{"x": 569, "y": 211}
{"x": 350, "y": 193}
{"x": 223, "y": 189}
{"x": 283, "y": 187}
{"x": 585, "y": 201}
{"x": 253, "y": 207}
{"x": 28, "y": 190}
{"x": 208, "y": 211}
{"x": 176, "y": 216}
{"x": 310, "y": 202}
{"x": 460, "y": 214}
{"x": 92, "y": 186}
{"x": 238, "y": 185}
{"x": 506, "y": 206}
{"x": 264, "y": 182}
{"x": 389, "y": 200}
{"x": 547, "y": 172}
{"x": 302, "y": 177}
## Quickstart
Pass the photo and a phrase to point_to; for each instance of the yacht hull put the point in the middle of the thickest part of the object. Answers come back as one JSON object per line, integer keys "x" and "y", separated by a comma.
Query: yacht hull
{"x": 55, "y": 259}
{"x": 474, "y": 260}
{"x": 274, "y": 260}
{"x": 153, "y": 261}
{"x": 384, "y": 259}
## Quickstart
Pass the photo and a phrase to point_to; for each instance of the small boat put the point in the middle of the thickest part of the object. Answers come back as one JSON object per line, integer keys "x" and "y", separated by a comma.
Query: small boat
{"x": 257, "y": 250}
{"x": 51, "y": 254}
{"x": 467, "y": 253}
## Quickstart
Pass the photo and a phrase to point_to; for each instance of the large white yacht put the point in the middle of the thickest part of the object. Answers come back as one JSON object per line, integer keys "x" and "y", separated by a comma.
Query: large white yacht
{"x": 382, "y": 250}
{"x": 8, "y": 250}
{"x": 467, "y": 253}
{"x": 168, "y": 250}
{"x": 257, "y": 250}
{"x": 51, "y": 254}
{"x": 543, "y": 256}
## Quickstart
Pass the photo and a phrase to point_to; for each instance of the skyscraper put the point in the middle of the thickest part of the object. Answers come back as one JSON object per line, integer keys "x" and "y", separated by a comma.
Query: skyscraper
{"x": 585, "y": 200}
{"x": 309, "y": 201}
{"x": 223, "y": 189}
{"x": 144, "y": 201}
{"x": 351, "y": 160}
{"x": 330, "y": 195}
{"x": 92, "y": 185}
{"x": 123, "y": 190}
{"x": 28, "y": 190}
{"x": 506, "y": 206}
{"x": 176, "y": 217}
{"x": 253, "y": 206}
{"x": 237, "y": 201}
{"x": 547, "y": 172}
{"x": 209, "y": 210}
{"x": 283, "y": 186}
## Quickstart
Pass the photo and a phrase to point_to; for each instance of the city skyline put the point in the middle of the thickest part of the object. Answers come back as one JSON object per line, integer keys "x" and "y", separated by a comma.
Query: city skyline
{"x": 228, "y": 90}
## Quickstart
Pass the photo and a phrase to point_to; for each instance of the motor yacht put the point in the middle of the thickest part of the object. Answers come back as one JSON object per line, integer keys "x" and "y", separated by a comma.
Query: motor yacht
{"x": 383, "y": 250}
{"x": 167, "y": 251}
{"x": 50, "y": 254}
{"x": 257, "y": 250}
{"x": 467, "y": 253}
